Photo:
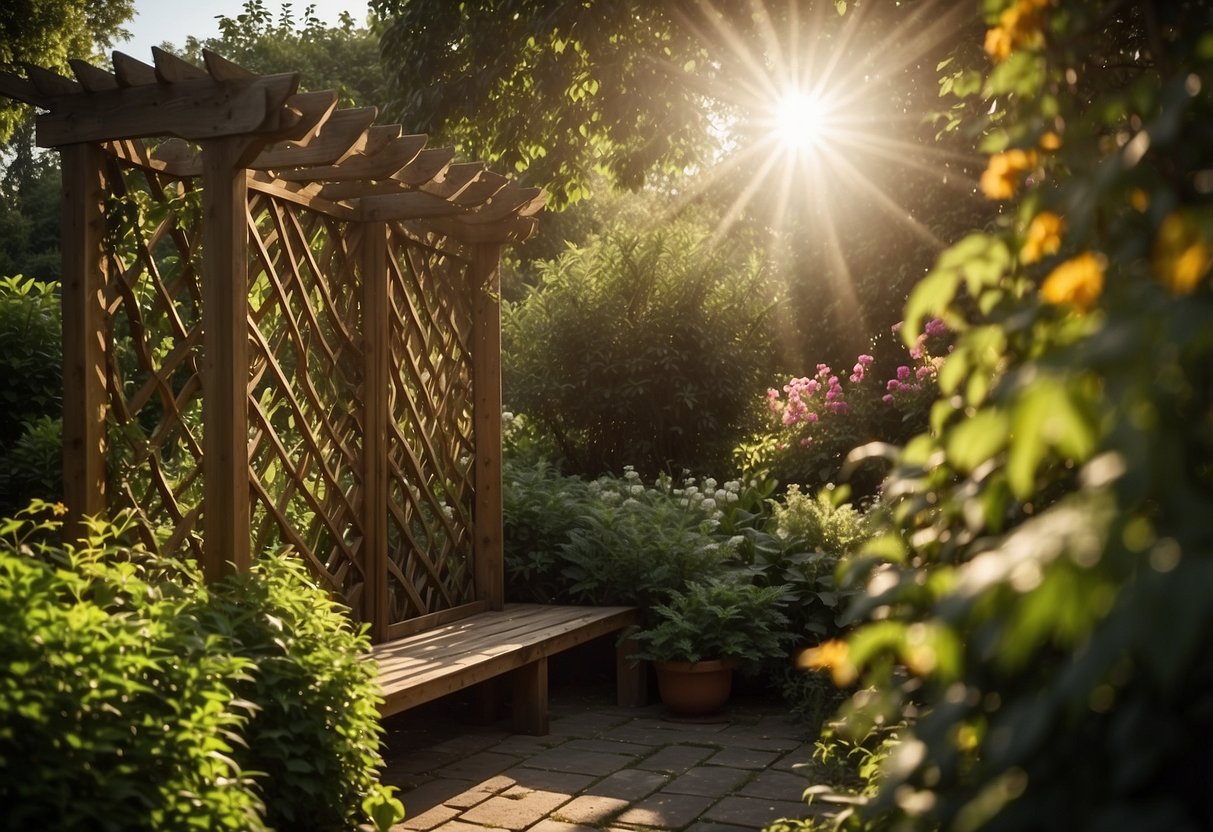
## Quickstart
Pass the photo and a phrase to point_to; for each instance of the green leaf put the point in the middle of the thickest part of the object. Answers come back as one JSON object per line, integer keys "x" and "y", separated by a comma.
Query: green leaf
{"x": 977, "y": 439}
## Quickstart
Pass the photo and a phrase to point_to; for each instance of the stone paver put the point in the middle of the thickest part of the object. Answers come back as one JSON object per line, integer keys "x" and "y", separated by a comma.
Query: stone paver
{"x": 603, "y": 769}
{"x": 580, "y": 762}
{"x": 709, "y": 781}
{"x": 675, "y": 758}
{"x": 776, "y": 785}
{"x": 590, "y": 809}
{"x": 435, "y": 816}
{"x": 667, "y": 811}
{"x": 608, "y": 746}
{"x": 549, "y": 825}
{"x": 516, "y": 812}
{"x": 753, "y": 812}
{"x": 743, "y": 758}
{"x": 481, "y": 792}
{"x": 478, "y": 766}
{"x": 629, "y": 784}
{"x": 565, "y": 782}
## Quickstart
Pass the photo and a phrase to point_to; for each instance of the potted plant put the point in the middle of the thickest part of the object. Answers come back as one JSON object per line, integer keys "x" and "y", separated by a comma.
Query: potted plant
{"x": 702, "y": 633}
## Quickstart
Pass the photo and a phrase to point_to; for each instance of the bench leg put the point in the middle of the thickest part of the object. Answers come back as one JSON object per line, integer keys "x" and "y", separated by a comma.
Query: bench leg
{"x": 631, "y": 676}
{"x": 531, "y": 698}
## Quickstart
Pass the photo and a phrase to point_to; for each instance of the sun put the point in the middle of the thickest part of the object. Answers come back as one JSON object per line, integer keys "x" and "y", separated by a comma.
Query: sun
{"x": 801, "y": 120}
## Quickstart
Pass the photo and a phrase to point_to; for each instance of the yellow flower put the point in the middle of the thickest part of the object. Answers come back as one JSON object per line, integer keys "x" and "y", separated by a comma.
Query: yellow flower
{"x": 1050, "y": 141}
{"x": 1078, "y": 282}
{"x": 59, "y": 509}
{"x": 1001, "y": 176}
{"x": 1043, "y": 237}
{"x": 1017, "y": 26}
{"x": 831, "y": 655}
{"x": 998, "y": 44}
{"x": 1181, "y": 254}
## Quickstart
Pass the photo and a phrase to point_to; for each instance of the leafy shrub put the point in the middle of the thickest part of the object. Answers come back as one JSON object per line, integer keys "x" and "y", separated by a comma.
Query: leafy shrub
{"x": 613, "y": 540}
{"x": 134, "y": 697}
{"x": 724, "y": 618}
{"x": 116, "y": 704}
{"x": 644, "y": 345}
{"x": 1039, "y": 589}
{"x": 314, "y": 731}
{"x": 33, "y": 467}
{"x": 31, "y": 354}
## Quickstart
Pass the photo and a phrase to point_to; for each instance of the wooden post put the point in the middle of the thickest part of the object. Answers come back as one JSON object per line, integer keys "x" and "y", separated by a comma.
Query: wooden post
{"x": 226, "y": 535}
{"x": 484, "y": 285}
{"x": 375, "y": 348}
{"x": 85, "y": 339}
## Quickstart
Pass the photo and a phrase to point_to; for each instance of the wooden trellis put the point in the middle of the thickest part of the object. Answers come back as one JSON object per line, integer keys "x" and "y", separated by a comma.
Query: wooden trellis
{"x": 281, "y": 326}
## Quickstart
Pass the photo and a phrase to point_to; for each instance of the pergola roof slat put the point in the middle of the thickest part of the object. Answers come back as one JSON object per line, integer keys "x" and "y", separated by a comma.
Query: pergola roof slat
{"x": 302, "y": 148}
{"x": 91, "y": 78}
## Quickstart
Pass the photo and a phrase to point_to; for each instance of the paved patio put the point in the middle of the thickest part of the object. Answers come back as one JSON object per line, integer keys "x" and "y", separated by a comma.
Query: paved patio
{"x": 601, "y": 767}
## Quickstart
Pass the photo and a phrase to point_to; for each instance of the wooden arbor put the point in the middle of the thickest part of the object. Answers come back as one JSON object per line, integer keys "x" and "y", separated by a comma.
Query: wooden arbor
{"x": 281, "y": 326}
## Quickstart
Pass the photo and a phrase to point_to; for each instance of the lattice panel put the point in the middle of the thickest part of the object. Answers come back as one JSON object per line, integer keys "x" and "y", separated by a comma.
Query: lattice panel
{"x": 155, "y": 416}
{"x": 305, "y": 441}
{"x": 430, "y": 443}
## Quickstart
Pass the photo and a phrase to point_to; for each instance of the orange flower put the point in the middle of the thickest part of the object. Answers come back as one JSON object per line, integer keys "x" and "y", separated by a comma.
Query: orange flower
{"x": 1001, "y": 176}
{"x": 998, "y": 44}
{"x": 1078, "y": 282}
{"x": 1050, "y": 141}
{"x": 829, "y": 655}
{"x": 1043, "y": 237}
{"x": 1181, "y": 254}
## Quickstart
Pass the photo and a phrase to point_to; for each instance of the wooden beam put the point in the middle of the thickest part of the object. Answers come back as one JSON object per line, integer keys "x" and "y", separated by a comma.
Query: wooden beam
{"x": 225, "y": 368}
{"x": 394, "y": 156}
{"x": 427, "y": 166}
{"x": 85, "y": 339}
{"x": 132, "y": 72}
{"x": 173, "y": 70}
{"x": 340, "y": 136}
{"x": 483, "y": 282}
{"x": 404, "y": 206}
{"x": 376, "y": 343}
{"x": 196, "y": 109}
{"x": 92, "y": 78}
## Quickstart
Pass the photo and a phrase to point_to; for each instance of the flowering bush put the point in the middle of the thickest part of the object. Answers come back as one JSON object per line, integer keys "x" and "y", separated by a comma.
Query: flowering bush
{"x": 1037, "y": 606}
{"x": 815, "y": 421}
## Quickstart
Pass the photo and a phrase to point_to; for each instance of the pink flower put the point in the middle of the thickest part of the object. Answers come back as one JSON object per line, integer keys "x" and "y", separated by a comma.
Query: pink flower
{"x": 935, "y": 327}
{"x": 810, "y": 417}
{"x": 866, "y": 360}
{"x": 903, "y": 372}
{"x": 887, "y": 397}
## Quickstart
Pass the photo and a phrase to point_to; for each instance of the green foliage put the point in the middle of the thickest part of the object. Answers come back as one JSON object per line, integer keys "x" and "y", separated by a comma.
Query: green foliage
{"x": 30, "y": 211}
{"x": 344, "y": 57}
{"x": 33, "y": 466}
{"x": 725, "y": 618}
{"x": 622, "y": 350}
{"x": 1040, "y": 601}
{"x": 115, "y": 701}
{"x": 31, "y": 394}
{"x": 134, "y": 697}
{"x": 612, "y": 540}
{"x": 314, "y": 732}
{"x": 49, "y": 32}
{"x": 824, "y": 522}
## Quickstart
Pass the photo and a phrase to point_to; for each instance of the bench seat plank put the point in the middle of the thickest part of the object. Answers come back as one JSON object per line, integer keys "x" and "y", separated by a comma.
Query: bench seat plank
{"x": 448, "y": 658}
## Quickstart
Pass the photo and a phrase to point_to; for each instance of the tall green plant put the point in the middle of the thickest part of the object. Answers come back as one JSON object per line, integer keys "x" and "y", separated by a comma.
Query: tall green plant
{"x": 1042, "y": 602}
{"x": 643, "y": 346}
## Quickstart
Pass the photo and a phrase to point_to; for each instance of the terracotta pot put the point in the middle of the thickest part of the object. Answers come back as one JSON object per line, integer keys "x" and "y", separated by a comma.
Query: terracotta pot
{"x": 695, "y": 688}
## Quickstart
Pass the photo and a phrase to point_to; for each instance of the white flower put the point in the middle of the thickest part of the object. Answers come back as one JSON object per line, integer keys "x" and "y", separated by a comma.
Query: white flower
{"x": 629, "y": 473}
{"x": 731, "y": 497}
{"x": 507, "y": 417}
{"x": 708, "y": 505}
{"x": 709, "y": 484}
{"x": 732, "y": 485}
{"x": 722, "y": 496}
{"x": 735, "y": 541}
{"x": 610, "y": 496}
{"x": 630, "y": 502}
{"x": 637, "y": 490}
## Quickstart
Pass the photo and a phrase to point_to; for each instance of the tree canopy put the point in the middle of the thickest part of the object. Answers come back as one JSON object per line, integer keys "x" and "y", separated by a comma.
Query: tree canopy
{"x": 49, "y": 32}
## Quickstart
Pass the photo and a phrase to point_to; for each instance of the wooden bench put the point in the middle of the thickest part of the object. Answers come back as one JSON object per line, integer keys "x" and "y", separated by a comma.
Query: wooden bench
{"x": 516, "y": 640}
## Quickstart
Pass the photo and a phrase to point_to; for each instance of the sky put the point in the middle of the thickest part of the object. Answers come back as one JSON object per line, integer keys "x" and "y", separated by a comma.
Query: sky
{"x": 157, "y": 21}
